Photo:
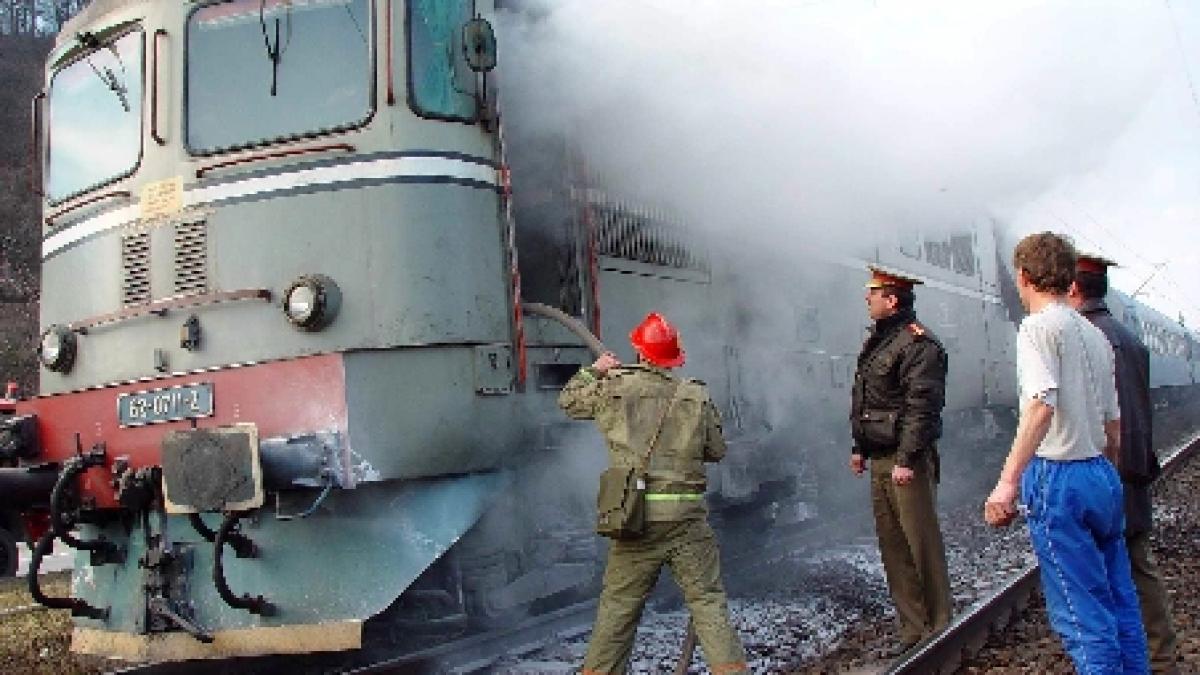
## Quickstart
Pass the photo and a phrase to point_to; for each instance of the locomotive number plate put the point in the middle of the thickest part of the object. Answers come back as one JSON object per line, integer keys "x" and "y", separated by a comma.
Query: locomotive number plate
{"x": 165, "y": 405}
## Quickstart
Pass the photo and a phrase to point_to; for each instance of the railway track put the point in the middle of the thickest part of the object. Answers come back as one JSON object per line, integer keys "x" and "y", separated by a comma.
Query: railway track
{"x": 478, "y": 653}
{"x": 486, "y": 652}
{"x": 945, "y": 652}
{"x": 471, "y": 654}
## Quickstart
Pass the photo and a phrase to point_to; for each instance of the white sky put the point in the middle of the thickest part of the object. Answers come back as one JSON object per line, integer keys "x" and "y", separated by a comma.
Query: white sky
{"x": 1140, "y": 204}
{"x": 796, "y": 121}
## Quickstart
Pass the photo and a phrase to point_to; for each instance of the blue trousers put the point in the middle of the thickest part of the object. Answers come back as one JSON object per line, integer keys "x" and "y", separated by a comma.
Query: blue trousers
{"x": 1076, "y": 523}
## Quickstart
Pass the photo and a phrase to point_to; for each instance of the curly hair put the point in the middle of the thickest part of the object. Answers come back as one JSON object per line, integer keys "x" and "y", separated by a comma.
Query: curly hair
{"x": 1048, "y": 261}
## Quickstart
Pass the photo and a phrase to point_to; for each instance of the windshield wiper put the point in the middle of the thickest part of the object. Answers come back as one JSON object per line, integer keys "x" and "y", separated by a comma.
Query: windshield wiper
{"x": 110, "y": 79}
{"x": 275, "y": 51}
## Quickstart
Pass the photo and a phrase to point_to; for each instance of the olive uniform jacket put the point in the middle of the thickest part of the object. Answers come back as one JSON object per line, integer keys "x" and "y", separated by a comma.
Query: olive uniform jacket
{"x": 899, "y": 392}
{"x": 1137, "y": 463}
{"x": 627, "y": 405}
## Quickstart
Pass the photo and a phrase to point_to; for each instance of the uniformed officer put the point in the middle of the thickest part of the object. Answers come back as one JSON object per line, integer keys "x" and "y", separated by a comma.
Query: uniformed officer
{"x": 895, "y": 419}
{"x": 1138, "y": 465}
{"x": 630, "y": 404}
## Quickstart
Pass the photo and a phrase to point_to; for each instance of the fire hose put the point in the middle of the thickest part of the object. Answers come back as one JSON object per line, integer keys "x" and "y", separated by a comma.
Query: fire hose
{"x": 569, "y": 322}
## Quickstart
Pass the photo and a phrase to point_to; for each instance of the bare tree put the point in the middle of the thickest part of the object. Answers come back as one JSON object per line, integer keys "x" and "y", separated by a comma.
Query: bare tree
{"x": 58, "y": 11}
{"x": 36, "y": 17}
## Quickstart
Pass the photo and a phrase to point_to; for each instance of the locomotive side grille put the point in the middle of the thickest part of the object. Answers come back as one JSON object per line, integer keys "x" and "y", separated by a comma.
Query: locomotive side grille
{"x": 636, "y": 233}
{"x": 191, "y": 257}
{"x": 135, "y": 268}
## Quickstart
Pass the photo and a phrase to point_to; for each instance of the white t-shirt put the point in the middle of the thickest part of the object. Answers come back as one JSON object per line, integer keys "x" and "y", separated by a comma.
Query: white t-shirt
{"x": 1068, "y": 363}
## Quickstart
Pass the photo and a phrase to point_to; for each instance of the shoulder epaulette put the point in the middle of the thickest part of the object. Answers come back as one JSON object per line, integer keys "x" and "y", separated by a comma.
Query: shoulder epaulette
{"x": 916, "y": 329}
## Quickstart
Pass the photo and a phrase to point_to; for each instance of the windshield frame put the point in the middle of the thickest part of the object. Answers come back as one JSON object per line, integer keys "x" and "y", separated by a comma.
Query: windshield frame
{"x": 372, "y": 89}
{"x": 46, "y": 151}
{"x": 410, "y": 89}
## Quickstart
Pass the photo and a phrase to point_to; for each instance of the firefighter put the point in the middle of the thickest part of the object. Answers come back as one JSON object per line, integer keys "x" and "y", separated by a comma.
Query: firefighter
{"x": 895, "y": 420}
{"x": 640, "y": 407}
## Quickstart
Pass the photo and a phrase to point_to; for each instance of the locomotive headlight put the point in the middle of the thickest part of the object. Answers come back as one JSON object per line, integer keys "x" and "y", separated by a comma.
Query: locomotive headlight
{"x": 312, "y": 302}
{"x": 57, "y": 349}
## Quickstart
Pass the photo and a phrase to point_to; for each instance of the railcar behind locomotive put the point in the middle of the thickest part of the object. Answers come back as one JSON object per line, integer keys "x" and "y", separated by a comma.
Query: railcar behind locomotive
{"x": 288, "y": 388}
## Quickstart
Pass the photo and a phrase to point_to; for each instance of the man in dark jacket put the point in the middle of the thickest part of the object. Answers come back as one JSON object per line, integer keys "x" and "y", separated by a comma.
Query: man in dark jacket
{"x": 896, "y": 420}
{"x": 1137, "y": 463}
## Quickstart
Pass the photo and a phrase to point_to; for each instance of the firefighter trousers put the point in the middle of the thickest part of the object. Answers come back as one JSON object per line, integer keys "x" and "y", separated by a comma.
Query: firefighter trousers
{"x": 689, "y": 549}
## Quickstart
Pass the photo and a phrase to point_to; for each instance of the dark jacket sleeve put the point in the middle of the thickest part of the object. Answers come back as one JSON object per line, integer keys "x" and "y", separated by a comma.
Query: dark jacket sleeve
{"x": 1138, "y": 463}
{"x": 923, "y": 381}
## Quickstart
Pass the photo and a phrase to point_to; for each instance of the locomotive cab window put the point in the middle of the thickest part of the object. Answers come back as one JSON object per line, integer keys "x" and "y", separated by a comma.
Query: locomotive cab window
{"x": 264, "y": 71}
{"x": 440, "y": 83}
{"x": 95, "y": 121}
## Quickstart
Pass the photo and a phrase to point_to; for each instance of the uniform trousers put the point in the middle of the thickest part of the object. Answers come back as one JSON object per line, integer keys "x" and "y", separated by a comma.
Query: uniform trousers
{"x": 689, "y": 549}
{"x": 1076, "y": 524}
{"x": 1152, "y": 595}
{"x": 910, "y": 543}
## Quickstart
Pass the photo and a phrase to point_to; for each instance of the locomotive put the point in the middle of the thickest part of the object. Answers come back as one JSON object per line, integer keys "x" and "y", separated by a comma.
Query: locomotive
{"x": 301, "y": 338}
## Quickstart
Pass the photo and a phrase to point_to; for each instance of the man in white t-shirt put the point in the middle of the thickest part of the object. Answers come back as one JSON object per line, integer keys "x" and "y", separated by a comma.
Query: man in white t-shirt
{"x": 1062, "y": 457}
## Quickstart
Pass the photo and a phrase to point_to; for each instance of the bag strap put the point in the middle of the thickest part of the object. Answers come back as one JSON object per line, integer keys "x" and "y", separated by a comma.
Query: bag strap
{"x": 658, "y": 429}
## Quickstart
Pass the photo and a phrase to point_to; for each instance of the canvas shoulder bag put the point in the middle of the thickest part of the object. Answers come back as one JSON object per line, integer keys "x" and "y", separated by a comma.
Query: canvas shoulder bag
{"x": 621, "y": 500}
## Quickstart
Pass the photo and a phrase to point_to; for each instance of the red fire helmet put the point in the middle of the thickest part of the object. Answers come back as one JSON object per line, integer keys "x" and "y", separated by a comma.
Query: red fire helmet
{"x": 658, "y": 341}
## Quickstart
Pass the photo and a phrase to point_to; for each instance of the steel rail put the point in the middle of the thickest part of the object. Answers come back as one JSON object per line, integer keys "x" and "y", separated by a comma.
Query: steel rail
{"x": 478, "y": 653}
{"x": 945, "y": 651}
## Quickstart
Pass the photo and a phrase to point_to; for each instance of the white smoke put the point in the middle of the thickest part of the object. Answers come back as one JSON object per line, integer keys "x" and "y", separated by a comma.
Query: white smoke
{"x": 785, "y": 129}
{"x": 789, "y": 119}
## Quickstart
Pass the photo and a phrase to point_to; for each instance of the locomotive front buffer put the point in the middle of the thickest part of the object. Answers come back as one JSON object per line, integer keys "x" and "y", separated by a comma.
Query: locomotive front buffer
{"x": 227, "y": 470}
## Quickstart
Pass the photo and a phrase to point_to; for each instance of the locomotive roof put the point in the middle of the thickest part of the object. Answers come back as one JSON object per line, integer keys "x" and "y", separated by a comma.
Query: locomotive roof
{"x": 94, "y": 9}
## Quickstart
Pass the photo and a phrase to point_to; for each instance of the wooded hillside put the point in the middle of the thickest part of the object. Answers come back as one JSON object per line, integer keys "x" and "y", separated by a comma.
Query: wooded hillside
{"x": 21, "y": 58}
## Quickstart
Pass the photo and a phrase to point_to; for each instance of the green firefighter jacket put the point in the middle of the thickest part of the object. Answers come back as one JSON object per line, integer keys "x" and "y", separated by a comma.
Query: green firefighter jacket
{"x": 627, "y": 404}
{"x": 899, "y": 391}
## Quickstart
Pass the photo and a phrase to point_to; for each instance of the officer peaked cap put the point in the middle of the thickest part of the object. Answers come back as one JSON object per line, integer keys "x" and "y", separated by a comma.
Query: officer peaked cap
{"x": 881, "y": 278}
{"x": 1086, "y": 262}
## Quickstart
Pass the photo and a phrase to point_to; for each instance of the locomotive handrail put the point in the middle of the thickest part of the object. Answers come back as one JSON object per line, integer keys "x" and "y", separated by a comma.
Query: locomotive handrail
{"x": 163, "y": 306}
{"x": 35, "y": 130}
{"x": 275, "y": 154}
{"x": 160, "y": 33}
{"x": 87, "y": 202}
{"x": 391, "y": 87}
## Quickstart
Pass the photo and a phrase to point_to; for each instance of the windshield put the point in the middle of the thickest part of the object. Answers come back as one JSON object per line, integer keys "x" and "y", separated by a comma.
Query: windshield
{"x": 441, "y": 84}
{"x": 95, "y": 125}
{"x": 262, "y": 71}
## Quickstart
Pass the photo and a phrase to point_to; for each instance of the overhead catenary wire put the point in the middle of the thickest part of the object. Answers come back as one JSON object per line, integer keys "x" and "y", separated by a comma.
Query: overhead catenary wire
{"x": 1177, "y": 294}
{"x": 1187, "y": 73}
